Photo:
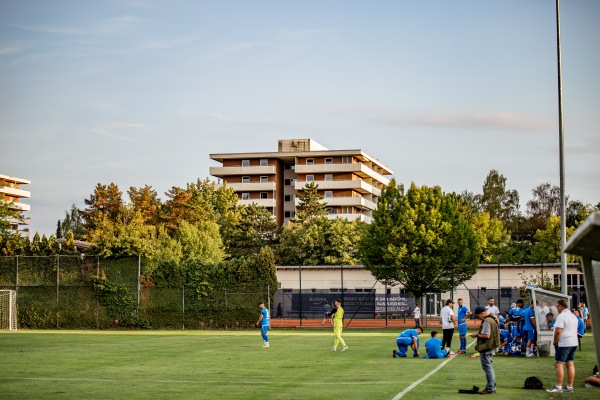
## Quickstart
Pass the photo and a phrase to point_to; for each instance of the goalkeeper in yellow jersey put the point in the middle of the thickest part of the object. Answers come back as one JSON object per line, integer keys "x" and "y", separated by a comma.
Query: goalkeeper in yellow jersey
{"x": 337, "y": 316}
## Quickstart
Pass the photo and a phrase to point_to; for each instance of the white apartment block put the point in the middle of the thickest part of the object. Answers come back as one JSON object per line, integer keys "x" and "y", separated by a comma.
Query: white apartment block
{"x": 350, "y": 181}
{"x": 11, "y": 193}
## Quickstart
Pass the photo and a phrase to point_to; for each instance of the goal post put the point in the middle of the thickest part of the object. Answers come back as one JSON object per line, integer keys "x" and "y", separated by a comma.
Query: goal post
{"x": 8, "y": 310}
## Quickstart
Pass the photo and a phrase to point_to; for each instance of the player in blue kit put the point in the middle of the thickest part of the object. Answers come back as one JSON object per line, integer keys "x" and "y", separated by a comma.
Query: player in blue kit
{"x": 434, "y": 347}
{"x": 528, "y": 332}
{"x": 409, "y": 337}
{"x": 263, "y": 321}
{"x": 463, "y": 313}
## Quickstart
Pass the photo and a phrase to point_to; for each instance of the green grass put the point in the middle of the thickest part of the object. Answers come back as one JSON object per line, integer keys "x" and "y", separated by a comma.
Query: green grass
{"x": 233, "y": 365}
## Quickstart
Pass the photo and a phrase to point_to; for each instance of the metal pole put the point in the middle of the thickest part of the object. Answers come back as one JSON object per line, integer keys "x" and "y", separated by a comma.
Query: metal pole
{"x": 138, "y": 281}
{"x": 300, "y": 294}
{"x": 183, "y": 306}
{"x": 269, "y": 300}
{"x": 342, "y": 278}
{"x": 498, "y": 303}
{"x": 17, "y": 277}
{"x": 57, "y": 285}
{"x": 386, "y": 304}
{"x": 561, "y": 147}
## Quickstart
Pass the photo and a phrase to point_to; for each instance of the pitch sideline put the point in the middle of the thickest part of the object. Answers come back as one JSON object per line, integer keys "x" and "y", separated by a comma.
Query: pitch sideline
{"x": 416, "y": 383}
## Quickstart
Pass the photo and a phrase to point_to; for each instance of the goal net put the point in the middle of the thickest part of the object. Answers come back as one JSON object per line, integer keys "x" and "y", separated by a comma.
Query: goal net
{"x": 8, "y": 310}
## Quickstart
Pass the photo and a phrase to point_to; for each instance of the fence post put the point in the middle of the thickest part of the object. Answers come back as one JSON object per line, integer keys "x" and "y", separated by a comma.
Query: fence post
{"x": 183, "y": 306}
{"x": 138, "y": 282}
{"x": 57, "y": 286}
{"x": 225, "y": 308}
{"x": 300, "y": 294}
{"x": 269, "y": 299}
{"x": 17, "y": 277}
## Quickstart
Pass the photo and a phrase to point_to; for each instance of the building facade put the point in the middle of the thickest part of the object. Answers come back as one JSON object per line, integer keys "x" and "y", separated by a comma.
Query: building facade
{"x": 12, "y": 193}
{"x": 350, "y": 181}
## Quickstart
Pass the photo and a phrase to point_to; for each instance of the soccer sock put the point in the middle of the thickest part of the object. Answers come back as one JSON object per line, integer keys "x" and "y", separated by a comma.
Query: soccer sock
{"x": 463, "y": 344}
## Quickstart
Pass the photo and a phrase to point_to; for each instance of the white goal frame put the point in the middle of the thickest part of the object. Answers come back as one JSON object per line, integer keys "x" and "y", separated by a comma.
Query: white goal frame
{"x": 8, "y": 310}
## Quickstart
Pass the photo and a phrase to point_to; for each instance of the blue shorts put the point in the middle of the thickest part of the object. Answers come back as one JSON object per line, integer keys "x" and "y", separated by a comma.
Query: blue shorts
{"x": 528, "y": 334}
{"x": 264, "y": 329}
{"x": 462, "y": 329}
{"x": 564, "y": 354}
{"x": 404, "y": 341}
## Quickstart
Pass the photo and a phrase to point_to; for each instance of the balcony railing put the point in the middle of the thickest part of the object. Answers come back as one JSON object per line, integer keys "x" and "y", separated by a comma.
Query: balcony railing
{"x": 352, "y": 217}
{"x": 13, "y": 192}
{"x": 229, "y": 171}
{"x": 261, "y": 202}
{"x": 359, "y": 186}
{"x": 331, "y": 168}
{"x": 346, "y": 201}
{"x": 252, "y": 187}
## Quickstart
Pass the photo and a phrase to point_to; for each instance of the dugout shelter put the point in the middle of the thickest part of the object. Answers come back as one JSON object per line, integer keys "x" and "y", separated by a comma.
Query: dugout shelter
{"x": 585, "y": 243}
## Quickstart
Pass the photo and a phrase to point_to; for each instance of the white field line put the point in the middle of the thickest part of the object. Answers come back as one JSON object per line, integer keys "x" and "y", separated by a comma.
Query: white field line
{"x": 416, "y": 383}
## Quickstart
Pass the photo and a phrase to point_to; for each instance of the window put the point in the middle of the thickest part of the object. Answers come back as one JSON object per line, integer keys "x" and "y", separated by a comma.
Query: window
{"x": 328, "y": 177}
{"x": 310, "y": 178}
{"x": 264, "y": 162}
{"x": 346, "y": 160}
{"x": 287, "y": 214}
{"x": 264, "y": 195}
{"x": 347, "y": 210}
{"x": 245, "y": 163}
{"x": 329, "y": 161}
{"x": 245, "y": 179}
{"x": 328, "y": 194}
{"x": 287, "y": 197}
{"x": 245, "y": 196}
{"x": 288, "y": 182}
{"x": 310, "y": 161}
{"x": 331, "y": 210}
{"x": 264, "y": 179}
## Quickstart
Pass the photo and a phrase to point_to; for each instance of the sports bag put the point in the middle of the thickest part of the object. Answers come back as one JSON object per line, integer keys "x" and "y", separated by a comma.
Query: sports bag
{"x": 533, "y": 382}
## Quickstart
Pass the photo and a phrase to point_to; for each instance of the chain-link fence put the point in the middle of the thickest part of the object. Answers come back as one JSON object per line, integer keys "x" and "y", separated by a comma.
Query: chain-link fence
{"x": 56, "y": 292}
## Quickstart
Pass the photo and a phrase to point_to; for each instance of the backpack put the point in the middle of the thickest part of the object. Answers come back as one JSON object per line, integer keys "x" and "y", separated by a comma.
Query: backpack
{"x": 533, "y": 382}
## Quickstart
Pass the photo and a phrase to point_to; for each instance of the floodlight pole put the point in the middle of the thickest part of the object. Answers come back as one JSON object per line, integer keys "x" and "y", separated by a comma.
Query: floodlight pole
{"x": 561, "y": 149}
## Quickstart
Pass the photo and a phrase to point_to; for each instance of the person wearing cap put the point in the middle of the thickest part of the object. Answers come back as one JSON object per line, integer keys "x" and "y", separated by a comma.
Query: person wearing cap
{"x": 488, "y": 340}
{"x": 447, "y": 316}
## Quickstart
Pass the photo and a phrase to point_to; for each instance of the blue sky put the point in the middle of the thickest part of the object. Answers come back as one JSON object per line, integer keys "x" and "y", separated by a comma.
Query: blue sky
{"x": 140, "y": 92}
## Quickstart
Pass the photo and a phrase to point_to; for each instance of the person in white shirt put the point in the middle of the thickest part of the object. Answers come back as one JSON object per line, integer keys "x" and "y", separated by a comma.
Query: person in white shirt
{"x": 565, "y": 343}
{"x": 448, "y": 323}
{"x": 417, "y": 314}
{"x": 492, "y": 308}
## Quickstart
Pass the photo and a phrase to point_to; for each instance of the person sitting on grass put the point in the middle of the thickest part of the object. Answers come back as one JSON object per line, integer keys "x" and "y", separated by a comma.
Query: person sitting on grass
{"x": 506, "y": 341}
{"x": 434, "y": 347}
{"x": 409, "y": 337}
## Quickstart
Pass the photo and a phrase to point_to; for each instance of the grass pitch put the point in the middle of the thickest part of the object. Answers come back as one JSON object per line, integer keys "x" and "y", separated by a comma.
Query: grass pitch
{"x": 233, "y": 365}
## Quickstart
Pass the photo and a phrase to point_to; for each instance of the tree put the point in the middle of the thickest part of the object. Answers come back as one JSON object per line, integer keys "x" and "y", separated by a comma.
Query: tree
{"x": 492, "y": 238}
{"x": 127, "y": 236}
{"x": 548, "y": 247}
{"x": 309, "y": 204}
{"x": 341, "y": 241}
{"x": 303, "y": 243}
{"x": 7, "y": 218}
{"x": 146, "y": 201}
{"x": 73, "y": 222}
{"x": 254, "y": 230}
{"x": 419, "y": 239}
{"x": 201, "y": 241}
{"x": 497, "y": 200}
{"x": 106, "y": 201}
{"x": 545, "y": 201}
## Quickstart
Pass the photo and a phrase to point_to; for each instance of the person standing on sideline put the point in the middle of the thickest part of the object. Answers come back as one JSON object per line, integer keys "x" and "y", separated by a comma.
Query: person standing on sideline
{"x": 492, "y": 308}
{"x": 488, "y": 339}
{"x": 337, "y": 314}
{"x": 580, "y": 327}
{"x": 263, "y": 321}
{"x": 565, "y": 344}
{"x": 409, "y": 337}
{"x": 528, "y": 333}
{"x": 417, "y": 314}
{"x": 434, "y": 347}
{"x": 447, "y": 324}
{"x": 463, "y": 313}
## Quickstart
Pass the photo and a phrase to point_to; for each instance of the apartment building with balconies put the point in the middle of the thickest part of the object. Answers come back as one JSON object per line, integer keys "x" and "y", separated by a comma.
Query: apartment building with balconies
{"x": 350, "y": 181}
{"x": 12, "y": 193}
